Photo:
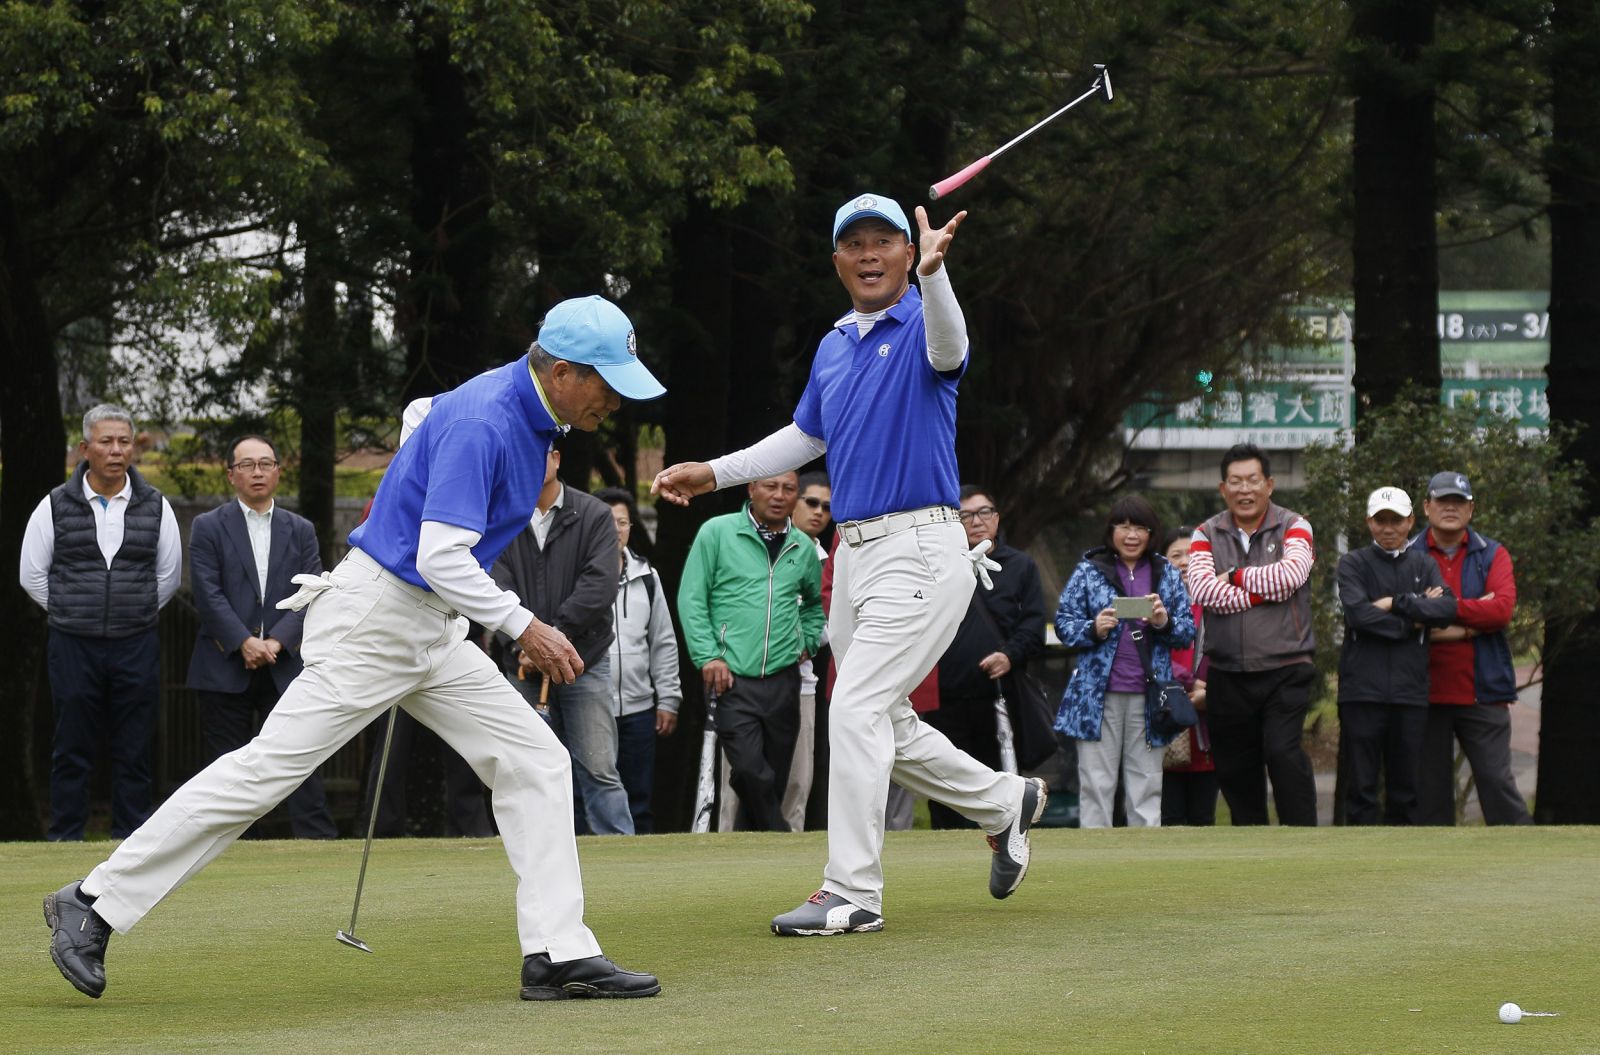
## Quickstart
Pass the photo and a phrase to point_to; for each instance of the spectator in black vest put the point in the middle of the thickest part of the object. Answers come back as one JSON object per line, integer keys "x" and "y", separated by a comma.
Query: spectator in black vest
{"x": 102, "y": 555}
{"x": 1002, "y": 630}
{"x": 242, "y": 555}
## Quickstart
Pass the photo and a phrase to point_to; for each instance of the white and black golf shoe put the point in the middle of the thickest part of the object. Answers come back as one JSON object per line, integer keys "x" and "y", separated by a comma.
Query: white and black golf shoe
{"x": 826, "y": 913}
{"x": 1011, "y": 850}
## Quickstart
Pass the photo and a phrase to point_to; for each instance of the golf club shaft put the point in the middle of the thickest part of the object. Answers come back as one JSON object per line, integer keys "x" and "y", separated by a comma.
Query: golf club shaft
{"x": 1101, "y": 86}
{"x": 1093, "y": 90}
{"x": 372, "y": 822}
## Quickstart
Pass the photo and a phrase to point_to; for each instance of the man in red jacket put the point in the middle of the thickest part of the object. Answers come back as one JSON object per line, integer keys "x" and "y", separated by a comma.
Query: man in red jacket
{"x": 1471, "y": 679}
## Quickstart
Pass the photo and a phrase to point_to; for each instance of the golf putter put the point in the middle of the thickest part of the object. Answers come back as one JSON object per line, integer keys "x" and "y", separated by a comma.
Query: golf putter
{"x": 1101, "y": 87}
{"x": 348, "y": 937}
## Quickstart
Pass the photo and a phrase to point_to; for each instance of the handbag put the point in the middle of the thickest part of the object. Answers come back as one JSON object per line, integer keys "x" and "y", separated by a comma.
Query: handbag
{"x": 1167, "y": 707}
{"x": 1180, "y": 751}
{"x": 1032, "y": 712}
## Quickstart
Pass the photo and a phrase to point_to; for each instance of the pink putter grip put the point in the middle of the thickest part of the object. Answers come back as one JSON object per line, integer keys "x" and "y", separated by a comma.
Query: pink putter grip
{"x": 950, "y": 183}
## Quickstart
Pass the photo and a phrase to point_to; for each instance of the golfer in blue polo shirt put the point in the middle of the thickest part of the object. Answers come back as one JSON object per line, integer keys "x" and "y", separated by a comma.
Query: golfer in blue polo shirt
{"x": 383, "y": 628}
{"x": 881, "y": 402}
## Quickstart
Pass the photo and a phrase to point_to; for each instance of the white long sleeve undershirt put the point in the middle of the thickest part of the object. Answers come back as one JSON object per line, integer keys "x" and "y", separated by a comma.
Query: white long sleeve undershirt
{"x": 786, "y": 449}
{"x": 446, "y": 564}
{"x": 942, "y": 318}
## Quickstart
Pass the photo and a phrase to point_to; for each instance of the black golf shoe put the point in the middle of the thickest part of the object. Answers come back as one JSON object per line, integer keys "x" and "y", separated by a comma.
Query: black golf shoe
{"x": 589, "y": 978}
{"x": 1011, "y": 850}
{"x": 78, "y": 944}
{"x": 826, "y": 913}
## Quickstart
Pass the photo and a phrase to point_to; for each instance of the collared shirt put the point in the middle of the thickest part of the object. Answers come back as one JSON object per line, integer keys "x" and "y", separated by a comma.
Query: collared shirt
{"x": 542, "y": 519}
{"x": 887, "y": 416}
{"x": 476, "y": 462}
{"x": 259, "y": 527}
{"x": 544, "y": 400}
{"x": 773, "y": 537}
{"x": 39, "y": 542}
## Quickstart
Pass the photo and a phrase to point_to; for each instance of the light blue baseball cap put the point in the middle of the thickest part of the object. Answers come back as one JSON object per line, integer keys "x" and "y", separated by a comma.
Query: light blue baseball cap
{"x": 594, "y": 331}
{"x": 879, "y": 205}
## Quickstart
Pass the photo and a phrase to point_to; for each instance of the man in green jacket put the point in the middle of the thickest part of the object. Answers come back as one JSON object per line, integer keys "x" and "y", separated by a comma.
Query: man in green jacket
{"x": 750, "y": 602}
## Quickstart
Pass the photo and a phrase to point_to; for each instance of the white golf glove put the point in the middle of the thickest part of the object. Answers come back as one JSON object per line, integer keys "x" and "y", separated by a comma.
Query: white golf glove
{"x": 310, "y": 587}
{"x": 981, "y": 564}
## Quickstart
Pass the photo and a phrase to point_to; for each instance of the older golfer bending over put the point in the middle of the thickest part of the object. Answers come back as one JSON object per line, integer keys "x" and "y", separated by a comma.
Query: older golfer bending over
{"x": 881, "y": 401}
{"x": 382, "y": 627}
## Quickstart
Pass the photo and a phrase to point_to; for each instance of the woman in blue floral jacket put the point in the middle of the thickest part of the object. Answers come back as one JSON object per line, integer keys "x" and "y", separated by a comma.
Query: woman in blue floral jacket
{"x": 1104, "y": 706}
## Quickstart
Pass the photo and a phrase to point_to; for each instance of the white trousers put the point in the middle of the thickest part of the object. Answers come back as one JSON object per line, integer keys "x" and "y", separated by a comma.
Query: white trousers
{"x": 897, "y": 603}
{"x": 1121, "y": 746}
{"x": 371, "y": 640}
{"x": 797, "y": 792}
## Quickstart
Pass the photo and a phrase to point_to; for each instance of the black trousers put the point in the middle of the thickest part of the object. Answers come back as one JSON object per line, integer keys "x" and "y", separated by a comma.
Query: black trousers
{"x": 465, "y": 813}
{"x": 968, "y": 723}
{"x": 758, "y": 721}
{"x": 1257, "y": 719}
{"x": 1381, "y": 740}
{"x": 106, "y": 687}
{"x": 1188, "y": 799}
{"x": 229, "y": 720}
{"x": 1484, "y": 730}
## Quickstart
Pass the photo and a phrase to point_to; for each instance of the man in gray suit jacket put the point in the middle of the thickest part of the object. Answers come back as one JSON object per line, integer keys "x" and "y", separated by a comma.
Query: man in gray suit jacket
{"x": 242, "y": 556}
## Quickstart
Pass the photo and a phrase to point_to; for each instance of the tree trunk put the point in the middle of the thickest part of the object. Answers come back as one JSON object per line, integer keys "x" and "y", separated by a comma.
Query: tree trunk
{"x": 700, "y": 336}
{"x": 1569, "y": 739}
{"x": 320, "y": 384}
{"x": 32, "y": 441}
{"x": 450, "y": 297}
{"x": 1396, "y": 261}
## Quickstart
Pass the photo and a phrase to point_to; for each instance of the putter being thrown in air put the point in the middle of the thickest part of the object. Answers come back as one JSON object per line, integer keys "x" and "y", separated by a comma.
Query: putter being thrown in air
{"x": 348, "y": 937}
{"x": 1101, "y": 86}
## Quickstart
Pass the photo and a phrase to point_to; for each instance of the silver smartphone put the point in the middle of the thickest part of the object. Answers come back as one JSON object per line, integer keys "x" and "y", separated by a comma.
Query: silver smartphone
{"x": 1133, "y": 607}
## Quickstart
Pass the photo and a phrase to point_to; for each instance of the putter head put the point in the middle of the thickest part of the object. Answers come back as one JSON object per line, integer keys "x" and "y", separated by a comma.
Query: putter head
{"x": 354, "y": 942}
{"x": 1103, "y": 81}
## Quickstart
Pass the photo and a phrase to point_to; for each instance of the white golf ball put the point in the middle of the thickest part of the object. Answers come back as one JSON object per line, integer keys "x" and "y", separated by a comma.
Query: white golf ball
{"x": 1510, "y": 1013}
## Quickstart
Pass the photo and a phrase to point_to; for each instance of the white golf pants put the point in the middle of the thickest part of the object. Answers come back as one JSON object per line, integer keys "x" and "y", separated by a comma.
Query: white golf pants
{"x": 897, "y": 603}
{"x": 371, "y": 640}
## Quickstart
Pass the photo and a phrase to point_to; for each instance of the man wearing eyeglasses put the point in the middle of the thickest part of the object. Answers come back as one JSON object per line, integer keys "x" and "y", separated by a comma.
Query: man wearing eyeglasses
{"x": 242, "y": 555}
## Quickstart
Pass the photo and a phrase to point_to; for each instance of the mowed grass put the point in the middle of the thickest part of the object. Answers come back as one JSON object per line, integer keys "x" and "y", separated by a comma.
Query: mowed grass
{"x": 1223, "y": 940}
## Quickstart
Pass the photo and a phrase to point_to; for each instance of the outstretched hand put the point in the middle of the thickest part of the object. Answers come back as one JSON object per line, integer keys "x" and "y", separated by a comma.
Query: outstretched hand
{"x": 934, "y": 241}
{"x": 681, "y": 482}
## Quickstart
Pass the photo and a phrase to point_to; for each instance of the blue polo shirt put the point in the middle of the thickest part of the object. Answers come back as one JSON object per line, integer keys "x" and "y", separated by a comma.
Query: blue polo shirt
{"x": 888, "y": 417}
{"x": 477, "y": 461}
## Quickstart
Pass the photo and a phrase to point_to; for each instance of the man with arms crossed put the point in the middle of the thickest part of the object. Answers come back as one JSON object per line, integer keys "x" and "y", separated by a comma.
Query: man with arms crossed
{"x": 881, "y": 401}
{"x": 383, "y": 628}
{"x": 1250, "y": 569}
{"x": 1471, "y": 681}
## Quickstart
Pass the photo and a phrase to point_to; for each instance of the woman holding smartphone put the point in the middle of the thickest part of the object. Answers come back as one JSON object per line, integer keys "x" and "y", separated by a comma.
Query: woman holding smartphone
{"x": 1121, "y": 590}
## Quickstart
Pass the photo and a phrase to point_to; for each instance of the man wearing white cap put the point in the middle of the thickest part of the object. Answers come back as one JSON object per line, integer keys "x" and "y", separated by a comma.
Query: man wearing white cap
{"x": 383, "y": 628}
{"x": 881, "y": 401}
{"x": 1391, "y": 596}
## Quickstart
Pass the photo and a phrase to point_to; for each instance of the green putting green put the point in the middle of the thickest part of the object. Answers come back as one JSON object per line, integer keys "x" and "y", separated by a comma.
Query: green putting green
{"x": 1221, "y": 940}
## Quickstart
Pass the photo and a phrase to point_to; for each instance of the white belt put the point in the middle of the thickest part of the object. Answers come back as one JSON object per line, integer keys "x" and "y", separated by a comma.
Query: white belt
{"x": 855, "y": 532}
